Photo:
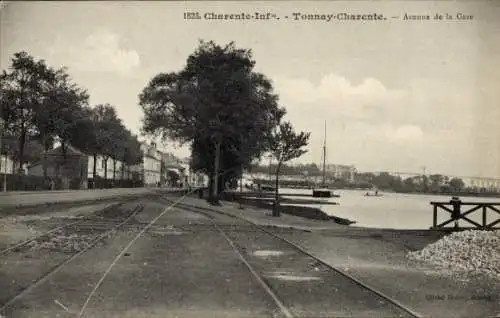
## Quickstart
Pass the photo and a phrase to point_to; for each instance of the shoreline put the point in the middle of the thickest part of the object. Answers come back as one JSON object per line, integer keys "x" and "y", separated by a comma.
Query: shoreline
{"x": 465, "y": 194}
{"x": 296, "y": 210}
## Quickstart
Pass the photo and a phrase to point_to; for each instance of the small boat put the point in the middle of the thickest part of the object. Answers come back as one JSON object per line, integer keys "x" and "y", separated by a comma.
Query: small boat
{"x": 376, "y": 194}
{"x": 322, "y": 193}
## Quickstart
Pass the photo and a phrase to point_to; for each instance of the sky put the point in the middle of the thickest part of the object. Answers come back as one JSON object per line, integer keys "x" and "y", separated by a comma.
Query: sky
{"x": 396, "y": 95}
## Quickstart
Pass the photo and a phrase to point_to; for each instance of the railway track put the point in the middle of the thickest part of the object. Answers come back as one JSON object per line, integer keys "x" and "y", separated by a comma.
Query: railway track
{"x": 239, "y": 234}
{"x": 99, "y": 226}
{"x": 57, "y": 228}
{"x": 236, "y": 238}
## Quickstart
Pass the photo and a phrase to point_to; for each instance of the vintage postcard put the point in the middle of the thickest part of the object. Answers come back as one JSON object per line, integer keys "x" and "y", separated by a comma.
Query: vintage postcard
{"x": 250, "y": 159}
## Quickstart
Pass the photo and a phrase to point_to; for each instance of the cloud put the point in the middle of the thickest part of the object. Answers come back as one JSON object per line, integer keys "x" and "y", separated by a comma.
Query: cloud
{"x": 406, "y": 133}
{"x": 101, "y": 51}
{"x": 372, "y": 125}
{"x": 336, "y": 97}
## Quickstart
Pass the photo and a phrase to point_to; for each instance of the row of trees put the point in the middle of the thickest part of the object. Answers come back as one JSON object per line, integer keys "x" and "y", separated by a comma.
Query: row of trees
{"x": 310, "y": 169}
{"x": 435, "y": 183}
{"x": 41, "y": 105}
{"x": 226, "y": 111}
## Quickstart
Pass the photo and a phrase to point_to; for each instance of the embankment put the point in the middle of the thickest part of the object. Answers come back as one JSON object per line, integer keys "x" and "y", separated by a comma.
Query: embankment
{"x": 297, "y": 210}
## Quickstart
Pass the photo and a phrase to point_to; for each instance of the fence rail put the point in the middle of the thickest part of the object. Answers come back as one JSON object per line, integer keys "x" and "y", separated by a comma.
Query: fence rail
{"x": 455, "y": 208}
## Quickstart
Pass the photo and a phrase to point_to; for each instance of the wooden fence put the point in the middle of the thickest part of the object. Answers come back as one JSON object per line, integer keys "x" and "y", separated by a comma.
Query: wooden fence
{"x": 455, "y": 208}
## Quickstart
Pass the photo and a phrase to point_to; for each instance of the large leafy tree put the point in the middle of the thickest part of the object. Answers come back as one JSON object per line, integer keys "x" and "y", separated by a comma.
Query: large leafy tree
{"x": 23, "y": 91}
{"x": 457, "y": 184}
{"x": 126, "y": 148}
{"x": 39, "y": 104}
{"x": 63, "y": 114}
{"x": 107, "y": 131}
{"x": 218, "y": 104}
{"x": 67, "y": 104}
{"x": 285, "y": 145}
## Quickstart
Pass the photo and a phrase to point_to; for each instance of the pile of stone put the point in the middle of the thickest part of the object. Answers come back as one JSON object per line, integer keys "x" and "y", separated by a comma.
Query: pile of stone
{"x": 463, "y": 253}
{"x": 73, "y": 243}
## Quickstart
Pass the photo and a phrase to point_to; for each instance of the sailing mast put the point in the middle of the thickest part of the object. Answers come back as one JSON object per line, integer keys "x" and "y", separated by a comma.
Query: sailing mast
{"x": 324, "y": 157}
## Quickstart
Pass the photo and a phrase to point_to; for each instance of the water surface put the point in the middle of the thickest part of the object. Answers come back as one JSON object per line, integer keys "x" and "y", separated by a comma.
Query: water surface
{"x": 394, "y": 210}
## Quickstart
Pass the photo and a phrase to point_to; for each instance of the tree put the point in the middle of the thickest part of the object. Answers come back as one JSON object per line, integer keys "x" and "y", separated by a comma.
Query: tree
{"x": 127, "y": 150}
{"x": 457, "y": 184}
{"x": 63, "y": 115}
{"x": 286, "y": 145}
{"x": 132, "y": 154}
{"x": 107, "y": 129}
{"x": 67, "y": 116}
{"x": 23, "y": 91}
{"x": 437, "y": 181}
{"x": 218, "y": 105}
{"x": 117, "y": 148}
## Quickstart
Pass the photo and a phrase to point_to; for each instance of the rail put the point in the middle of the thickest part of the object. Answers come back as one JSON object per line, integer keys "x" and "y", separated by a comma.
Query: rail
{"x": 455, "y": 208}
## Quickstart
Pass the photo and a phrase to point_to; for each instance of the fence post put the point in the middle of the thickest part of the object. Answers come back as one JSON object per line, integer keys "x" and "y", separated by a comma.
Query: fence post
{"x": 434, "y": 221}
{"x": 485, "y": 207}
{"x": 456, "y": 203}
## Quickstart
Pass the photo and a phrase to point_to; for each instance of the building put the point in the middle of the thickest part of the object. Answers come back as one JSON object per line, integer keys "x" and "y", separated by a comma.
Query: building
{"x": 112, "y": 170}
{"x": 150, "y": 168}
{"x": 173, "y": 170}
{"x": 69, "y": 165}
{"x": 7, "y": 165}
{"x": 105, "y": 170}
{"x": 344, "y": 172}
{"x": 194, "y": 179}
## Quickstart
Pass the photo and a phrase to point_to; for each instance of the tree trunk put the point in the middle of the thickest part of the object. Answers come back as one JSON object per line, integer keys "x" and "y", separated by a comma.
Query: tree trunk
{"x": 114, "y": 169}
{"x": 44, "y": 158}
{"x": 276, "y": 206}
{"x": 94, "y": 168}
{"x": 215, "y": 189}
{"x": 22, "y": 142}
{"x": 106, "y": 171}
{"x": 63, "y": 148}
{"x": 210, "y": 186}
{"x": 105, "y": 168}
{"x": 122, "y": 171}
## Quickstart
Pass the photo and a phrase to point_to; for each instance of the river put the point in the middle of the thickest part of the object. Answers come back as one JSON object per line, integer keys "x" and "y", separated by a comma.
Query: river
{"x": 393, "y": 210}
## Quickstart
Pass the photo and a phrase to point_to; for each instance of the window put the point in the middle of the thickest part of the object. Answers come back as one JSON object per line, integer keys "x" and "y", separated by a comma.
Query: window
{"x": 103, "y": 163}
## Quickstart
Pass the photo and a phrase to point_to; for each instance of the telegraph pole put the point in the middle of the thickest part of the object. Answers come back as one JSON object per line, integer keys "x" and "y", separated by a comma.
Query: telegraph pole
{"x": 324, "y": 157}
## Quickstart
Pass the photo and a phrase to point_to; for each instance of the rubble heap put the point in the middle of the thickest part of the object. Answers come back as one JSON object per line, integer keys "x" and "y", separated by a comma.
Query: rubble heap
{"x": 469, "y": 252}
{"x": 65, "y": 243}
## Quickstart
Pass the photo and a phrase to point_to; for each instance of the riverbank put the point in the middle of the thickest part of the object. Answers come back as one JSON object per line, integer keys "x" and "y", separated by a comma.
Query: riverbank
{"x": 292, "y": 209}
{"x": 380, "y": 258}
